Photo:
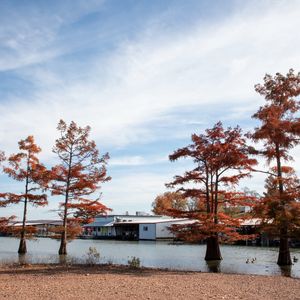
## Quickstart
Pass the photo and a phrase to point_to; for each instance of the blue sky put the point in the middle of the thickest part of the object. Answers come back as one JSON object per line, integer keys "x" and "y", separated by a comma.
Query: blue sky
{"x": 144, "y": 75}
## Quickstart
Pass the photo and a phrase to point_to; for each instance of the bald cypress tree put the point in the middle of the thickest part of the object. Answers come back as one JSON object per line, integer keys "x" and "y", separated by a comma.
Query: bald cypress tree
{"x": 279, "y": 132}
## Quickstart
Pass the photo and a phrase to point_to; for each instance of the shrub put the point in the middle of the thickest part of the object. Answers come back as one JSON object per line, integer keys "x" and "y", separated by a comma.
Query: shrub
{"x": 92, "y": 256}
{"x": 134, "y": 262}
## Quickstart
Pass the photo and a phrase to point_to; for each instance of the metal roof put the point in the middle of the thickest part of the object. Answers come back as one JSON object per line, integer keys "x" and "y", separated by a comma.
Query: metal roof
{"x": 135, "y": 220}
{"x": 129, "y": 216}
{"x": 99, "y": 224}
{"x": 151, "y": 221}
{"x": 37, "y": 222}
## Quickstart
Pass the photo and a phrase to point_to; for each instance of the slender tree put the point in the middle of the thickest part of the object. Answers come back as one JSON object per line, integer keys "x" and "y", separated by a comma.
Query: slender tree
{"x": 221, "y": 160}
{"x": 79, "y": 174}
{"x": 279, "y": 132}
{"x": 25, "y": 167}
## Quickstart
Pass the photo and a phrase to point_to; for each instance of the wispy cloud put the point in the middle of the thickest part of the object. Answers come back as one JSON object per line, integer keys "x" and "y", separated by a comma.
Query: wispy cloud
{"x": 136, "y": 191}
{"x": 29, "y": 33}
{"x": 127, "y": 88}
{"x": 137, "y": 160}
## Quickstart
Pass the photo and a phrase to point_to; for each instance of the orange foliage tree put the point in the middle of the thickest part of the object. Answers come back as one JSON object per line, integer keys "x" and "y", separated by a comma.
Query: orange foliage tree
{"x": 87, "y": 210}
{"x": 164, "y": 203}
{"x": 25, "y": 167}
{"x": 169, "y": 200}
{"x": 4, "y": 221}
{"x": 3, "y": 199}
{"x": 279, "y": 132}
{"x": 221, "y": 160}
{"x": 269, "y": 208}
{"x": 79, "y": 174}
{"x": 2, "y": 156}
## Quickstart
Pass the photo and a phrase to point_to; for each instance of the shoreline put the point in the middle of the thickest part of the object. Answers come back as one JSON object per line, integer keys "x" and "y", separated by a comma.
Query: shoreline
{"x": 123, "y": 282}
{"x": 110, "y": 267}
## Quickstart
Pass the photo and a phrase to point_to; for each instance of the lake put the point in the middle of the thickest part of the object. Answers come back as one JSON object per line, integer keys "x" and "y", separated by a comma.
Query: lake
{"x": 155, "y": 254}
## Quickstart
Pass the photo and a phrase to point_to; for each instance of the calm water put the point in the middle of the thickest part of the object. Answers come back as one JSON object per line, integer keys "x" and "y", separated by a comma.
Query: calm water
{"x": 155, "y": 254}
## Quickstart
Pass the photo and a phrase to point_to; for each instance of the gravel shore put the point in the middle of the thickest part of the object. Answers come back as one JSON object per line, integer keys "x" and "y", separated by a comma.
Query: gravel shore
{"x": 119, "y": 282}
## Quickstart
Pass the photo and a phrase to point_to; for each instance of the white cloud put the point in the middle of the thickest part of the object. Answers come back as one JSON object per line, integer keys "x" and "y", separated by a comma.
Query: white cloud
{"x": 127, "y": 161}
{"x": 122, "y": 95}
{"x": 152, "y": 75}
{"x": 137, "y": 160}
{"x": 135, "y": 191}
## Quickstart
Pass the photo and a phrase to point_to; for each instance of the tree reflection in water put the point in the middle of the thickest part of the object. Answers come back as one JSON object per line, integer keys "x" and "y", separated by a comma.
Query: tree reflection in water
{"x": 214, "y": 266}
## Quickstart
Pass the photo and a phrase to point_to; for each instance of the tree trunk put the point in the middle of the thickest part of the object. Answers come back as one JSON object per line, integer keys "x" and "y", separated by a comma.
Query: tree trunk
{"x": 22, "y": 246}
{"x": 63, "y": 244}
{"x": 213, "y": 249}
{"x": 63, "y": 241}
{"x": 284, "y": 256}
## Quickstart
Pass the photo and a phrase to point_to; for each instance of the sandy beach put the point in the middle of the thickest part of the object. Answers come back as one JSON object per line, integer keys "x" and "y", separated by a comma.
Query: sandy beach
{"x": 118, "y": 282}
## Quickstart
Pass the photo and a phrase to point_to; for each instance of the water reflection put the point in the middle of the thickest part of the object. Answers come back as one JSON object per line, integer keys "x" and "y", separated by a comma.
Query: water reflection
{"x": 286, "y": 271}
{"x": 214, "y": 266}
{"x": 153, "y": 254}
{"x": 22, "y": 259}
{"x": 63, "y": 259}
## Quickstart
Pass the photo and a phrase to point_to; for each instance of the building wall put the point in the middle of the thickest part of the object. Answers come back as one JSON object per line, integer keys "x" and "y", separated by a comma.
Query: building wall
{"x": 147, "y": 231}
{"x": 104, "y": 231}
{"x": 133, "y": 227}
{"x": 162, "y": 231}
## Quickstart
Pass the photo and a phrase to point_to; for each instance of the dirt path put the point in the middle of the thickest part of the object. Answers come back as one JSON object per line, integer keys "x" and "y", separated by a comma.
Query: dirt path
{"x": 111, "y": 282}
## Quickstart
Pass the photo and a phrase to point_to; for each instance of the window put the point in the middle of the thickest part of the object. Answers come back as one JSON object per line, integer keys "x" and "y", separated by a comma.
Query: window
{"x": 145, "y": 228}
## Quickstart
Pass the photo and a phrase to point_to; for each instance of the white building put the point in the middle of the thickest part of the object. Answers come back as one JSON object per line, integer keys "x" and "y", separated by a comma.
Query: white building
{"x": 132, "y": 227}
{"x": 42, "y": 228}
